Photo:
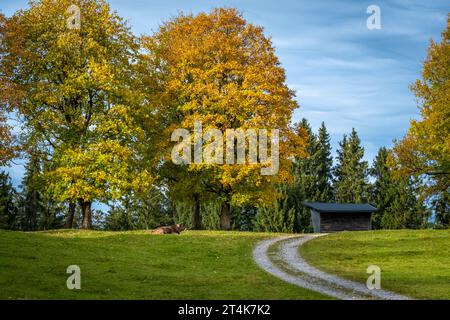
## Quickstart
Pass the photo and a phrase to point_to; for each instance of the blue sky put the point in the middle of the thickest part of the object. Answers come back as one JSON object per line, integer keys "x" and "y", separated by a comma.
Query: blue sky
{"x": 343, "y": 73}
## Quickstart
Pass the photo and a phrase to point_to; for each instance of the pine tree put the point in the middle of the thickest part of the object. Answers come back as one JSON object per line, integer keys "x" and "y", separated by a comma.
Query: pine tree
{"x": 312, "y": 175}
{"x": 351, "y": 171}
{"x": 135, "y": 212}
{"x": 441, "y": 207}
{"x": 304, "y": 184}
{"x": 396, "y": 199}
{"x": 277, "y": 217}
{"x": 53, "y": 214}
{"x": 404, "y": 211}
{"x": 8, "y": 203}
{"x": 31, "y": 206}
{"x": 244, "y": 218}
{"x": 323, "y": 164}
{"x": 382, "y": 189}
{"x": 120, "y": 216}
{"x": 211, "y": 210}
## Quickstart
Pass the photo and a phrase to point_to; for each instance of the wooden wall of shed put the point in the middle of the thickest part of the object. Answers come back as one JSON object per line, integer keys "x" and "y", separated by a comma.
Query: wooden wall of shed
{"x": 315, "y": 219}
{"x": 354, "y": 221}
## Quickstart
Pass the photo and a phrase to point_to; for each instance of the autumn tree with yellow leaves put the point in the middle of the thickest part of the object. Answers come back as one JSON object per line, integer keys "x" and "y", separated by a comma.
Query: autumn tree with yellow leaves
{"x": 67, "y": 70}
{"x": 7, "y": 146}
{"x": 220, "y": 70}
{"x": 425, "y": 150}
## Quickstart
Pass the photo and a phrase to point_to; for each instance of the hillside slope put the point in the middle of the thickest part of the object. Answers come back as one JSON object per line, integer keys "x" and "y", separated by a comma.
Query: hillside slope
{"x": 137, "y": 265}
{"x": 412, "y": 262}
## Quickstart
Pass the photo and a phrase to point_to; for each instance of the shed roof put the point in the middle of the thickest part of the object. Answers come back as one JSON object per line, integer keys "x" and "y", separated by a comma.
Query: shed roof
{"x": 340, "y": 207}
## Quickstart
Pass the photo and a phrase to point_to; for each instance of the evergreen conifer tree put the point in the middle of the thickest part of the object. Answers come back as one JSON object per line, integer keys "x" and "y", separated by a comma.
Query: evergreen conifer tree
{"x": 351, "y": 171}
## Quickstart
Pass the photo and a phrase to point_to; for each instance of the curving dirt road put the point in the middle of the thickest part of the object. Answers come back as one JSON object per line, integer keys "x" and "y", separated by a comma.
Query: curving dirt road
{"x": 280, "y": 257}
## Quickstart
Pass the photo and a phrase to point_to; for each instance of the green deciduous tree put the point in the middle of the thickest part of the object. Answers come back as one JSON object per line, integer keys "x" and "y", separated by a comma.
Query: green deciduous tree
{"x": 73, "y": 89}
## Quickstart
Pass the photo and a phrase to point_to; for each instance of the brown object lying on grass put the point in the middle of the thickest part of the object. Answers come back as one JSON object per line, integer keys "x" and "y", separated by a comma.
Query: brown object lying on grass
{"x": 176, "y": 228}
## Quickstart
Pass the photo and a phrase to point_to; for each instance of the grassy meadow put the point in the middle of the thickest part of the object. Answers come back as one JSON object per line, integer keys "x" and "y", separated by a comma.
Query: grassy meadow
{"x": 138, "y": 265}
{"x": 413, "y": 262}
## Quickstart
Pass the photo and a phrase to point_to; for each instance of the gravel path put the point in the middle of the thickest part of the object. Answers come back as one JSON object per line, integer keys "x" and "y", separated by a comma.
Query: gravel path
{"x": 287, "y": 264}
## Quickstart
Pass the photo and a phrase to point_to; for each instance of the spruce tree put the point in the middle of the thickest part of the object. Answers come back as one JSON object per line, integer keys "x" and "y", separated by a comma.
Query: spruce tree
{"x": 441, "y": 208}
{"x": 144, "y": 211}
{"x": 277, "y": 217}
{"x": 8, "y": 203}
{"x": 351, "y": 171}
{"x": 396, "y": 199}
{"x": 244, "y": 217}
{"x": 323, "y": 166}
{"x": 53, "y": 213}
{"x": 382, "y": 192}
{"x": 31, "y": 206}
{"x": 312, "y": 175}
{"x": 304, "y": 184}
{"x": 405, "y": 210}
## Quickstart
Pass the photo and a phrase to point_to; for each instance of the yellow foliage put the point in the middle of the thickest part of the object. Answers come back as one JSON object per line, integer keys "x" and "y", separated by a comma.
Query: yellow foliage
{"x": 222, "y": 71}
{"x": 76, "y": 96}
{"x": 425, "y": 150}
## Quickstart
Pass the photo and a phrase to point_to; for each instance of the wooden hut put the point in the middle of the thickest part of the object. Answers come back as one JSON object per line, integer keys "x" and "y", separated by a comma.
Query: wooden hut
{"x": 332, "y": 217}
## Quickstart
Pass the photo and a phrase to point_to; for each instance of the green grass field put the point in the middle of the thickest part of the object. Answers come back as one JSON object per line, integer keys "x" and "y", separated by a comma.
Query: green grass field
{"x": 413, "y": 262}
{"x": 211, "y": 265}
{"x": 136, "y": 265}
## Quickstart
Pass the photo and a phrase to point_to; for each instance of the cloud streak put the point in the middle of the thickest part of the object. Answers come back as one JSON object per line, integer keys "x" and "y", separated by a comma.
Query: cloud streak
{"x": 343, "y": 73}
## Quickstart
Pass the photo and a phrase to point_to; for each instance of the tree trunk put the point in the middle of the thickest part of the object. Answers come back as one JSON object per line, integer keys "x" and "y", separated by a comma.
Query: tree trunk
{"x": 225, "y": 217}
{"x": 87, "y": 214}
{"x": 196, "y": 217}
{"x": 70, "y": 215}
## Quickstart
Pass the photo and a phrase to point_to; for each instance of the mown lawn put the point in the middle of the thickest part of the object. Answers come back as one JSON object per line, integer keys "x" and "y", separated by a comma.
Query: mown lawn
{"x": 137, "y": 265}
{"x": 413, "y": 262}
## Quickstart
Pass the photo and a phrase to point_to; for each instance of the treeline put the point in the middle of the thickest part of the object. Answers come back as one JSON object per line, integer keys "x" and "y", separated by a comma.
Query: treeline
{"x": 97, "y": 107}
{"x": 316, "y": 178}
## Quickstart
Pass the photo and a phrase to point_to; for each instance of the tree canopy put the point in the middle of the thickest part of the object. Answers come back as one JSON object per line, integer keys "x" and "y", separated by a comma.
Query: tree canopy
{"x": 425, "y": 150}
{"x": 219, "y": 70}
{"x": 102, "y": 112}
{"x": 72, "y": 87}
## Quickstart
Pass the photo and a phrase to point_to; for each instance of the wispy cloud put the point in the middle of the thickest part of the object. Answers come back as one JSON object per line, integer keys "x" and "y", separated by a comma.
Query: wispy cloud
{"x": 344, "y": 74}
